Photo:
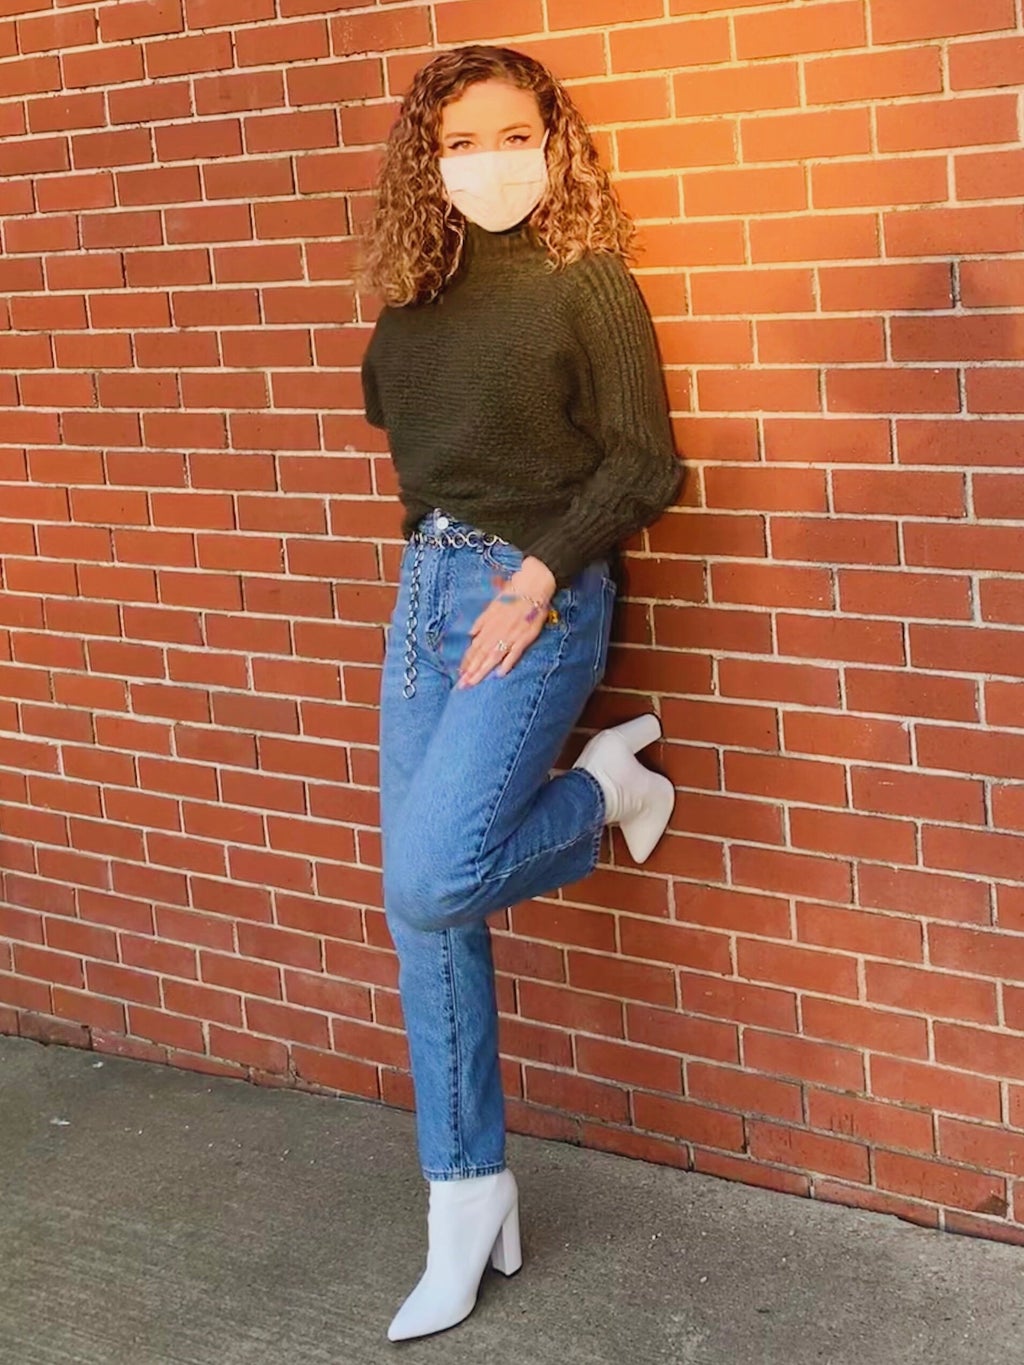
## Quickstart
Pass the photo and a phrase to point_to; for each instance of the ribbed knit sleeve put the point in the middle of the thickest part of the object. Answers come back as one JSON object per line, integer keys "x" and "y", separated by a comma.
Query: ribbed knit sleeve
{"x": 371, "y": 398}
{"x": 640, "y": 473}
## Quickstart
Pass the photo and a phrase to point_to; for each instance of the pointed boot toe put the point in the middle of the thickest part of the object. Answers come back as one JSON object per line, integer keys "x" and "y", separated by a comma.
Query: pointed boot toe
{"x": 470, "y": 1220}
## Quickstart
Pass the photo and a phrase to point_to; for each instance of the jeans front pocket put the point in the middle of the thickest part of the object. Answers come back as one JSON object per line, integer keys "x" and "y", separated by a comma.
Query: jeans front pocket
{"x": 504, "y": 559}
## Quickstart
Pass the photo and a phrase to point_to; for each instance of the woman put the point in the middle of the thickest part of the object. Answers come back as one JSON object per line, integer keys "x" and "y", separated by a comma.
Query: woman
{"x": 515, "y": 371}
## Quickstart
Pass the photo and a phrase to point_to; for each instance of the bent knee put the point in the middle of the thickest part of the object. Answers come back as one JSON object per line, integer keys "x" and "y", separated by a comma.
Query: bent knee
{"x": 425, "y": 898}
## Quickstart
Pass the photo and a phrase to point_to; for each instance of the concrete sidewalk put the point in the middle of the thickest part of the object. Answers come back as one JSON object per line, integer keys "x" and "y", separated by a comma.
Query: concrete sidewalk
{"x": 158, "y": 1217}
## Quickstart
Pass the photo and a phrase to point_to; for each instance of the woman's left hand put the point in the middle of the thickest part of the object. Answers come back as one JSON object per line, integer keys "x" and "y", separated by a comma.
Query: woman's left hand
{"x": 503, "y": 632}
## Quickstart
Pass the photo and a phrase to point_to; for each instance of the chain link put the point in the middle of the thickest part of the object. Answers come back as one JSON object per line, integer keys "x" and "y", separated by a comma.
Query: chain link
{"x": 409, "y": 690}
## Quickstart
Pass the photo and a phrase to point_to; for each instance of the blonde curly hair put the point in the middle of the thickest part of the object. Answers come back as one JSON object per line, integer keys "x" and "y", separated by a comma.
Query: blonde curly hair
{"x": 414, "y": 243}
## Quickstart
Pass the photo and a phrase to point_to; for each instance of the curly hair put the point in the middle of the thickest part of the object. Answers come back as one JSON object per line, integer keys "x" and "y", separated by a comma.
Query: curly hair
{"x": 414, "y": 242}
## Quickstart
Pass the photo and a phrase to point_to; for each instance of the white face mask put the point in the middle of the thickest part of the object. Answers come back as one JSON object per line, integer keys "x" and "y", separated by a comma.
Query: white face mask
{"x": 496, "y": 189}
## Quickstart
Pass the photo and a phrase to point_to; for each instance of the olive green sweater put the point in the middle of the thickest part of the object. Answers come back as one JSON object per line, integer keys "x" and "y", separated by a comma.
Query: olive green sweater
{"x": 527, "y": 402}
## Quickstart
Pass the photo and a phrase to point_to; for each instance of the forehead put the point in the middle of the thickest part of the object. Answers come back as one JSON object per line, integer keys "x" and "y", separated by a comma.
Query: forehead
{"x": 488, "y": 107}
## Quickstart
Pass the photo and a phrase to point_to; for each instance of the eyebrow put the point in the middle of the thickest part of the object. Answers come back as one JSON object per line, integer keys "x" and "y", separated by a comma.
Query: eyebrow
{"x": 510, "y": 129}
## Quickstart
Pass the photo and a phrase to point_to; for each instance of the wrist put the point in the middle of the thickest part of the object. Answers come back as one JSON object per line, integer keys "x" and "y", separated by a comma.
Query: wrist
{"x": 534, "y": 580}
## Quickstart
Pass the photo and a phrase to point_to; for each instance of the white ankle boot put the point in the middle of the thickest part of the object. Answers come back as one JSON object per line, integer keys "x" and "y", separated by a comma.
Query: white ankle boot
{"x": 637, "y": 800}
{"x": 469, "y": 1220}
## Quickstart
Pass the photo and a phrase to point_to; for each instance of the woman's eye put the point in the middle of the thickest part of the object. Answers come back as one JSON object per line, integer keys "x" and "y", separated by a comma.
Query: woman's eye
{"x": 459, "y": 146}
{"x": 518, "y": 137}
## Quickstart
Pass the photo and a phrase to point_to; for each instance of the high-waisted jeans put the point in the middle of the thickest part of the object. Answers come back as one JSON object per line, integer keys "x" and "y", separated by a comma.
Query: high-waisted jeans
{"x": 473, "y": 822}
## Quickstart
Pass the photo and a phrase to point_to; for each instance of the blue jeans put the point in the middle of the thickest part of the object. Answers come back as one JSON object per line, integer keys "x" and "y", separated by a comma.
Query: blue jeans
{"x": 472, "y": 822}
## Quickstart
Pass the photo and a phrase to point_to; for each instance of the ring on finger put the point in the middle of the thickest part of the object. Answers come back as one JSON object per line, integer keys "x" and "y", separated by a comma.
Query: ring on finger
{"x": 501, "y": 647}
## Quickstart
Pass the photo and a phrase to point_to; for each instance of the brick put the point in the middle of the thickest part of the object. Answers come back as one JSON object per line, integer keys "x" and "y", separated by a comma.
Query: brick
{"x": 296, "y": 42}
{"x": 942, "y": 995}
{"x": 901, "y": 21}
{"x": 565, "y": 13}
{"x": 996, "y": 391}
{"x": 919, "y": 795}
{"x": 989, "y": 1149}
{"x": 923, "y": 893}
{"x": 953, "y": 231}
{"x": 1001, "y": 601}
{"x": 994, "y": 62}
{"x": 979, "y": 1051}
{"x": 799, "y": 874}
{"x": 358, "y": 33}
{"x": 824, "y": 28}
{"x": 66, "y": 111}
{"x": 98, "y": 67}
{"x": 743, "y": 190}
{"x": 211, "y": 13}
{"x": 750, "y": 292}
{"x": 147, "y": 103}
{"x": 902, "y": 180}
{"x": 803, "y": 968}
{"x": 975, "y": 851}
{"x": 830, "y": 638}
{"x": 948, "y": 443}
{"x": 54, "y": 32}
{"x": 26, "y": 156}
{"x": 1004, "y": 703}
{"x": 910, "y": 694}
{"x": 162, "y": 185}
{"x": 882, "y": 1125}
{"x": 768, "y": 85}
{"x": 769, "y": 681}
{"x": 811, "y": 237}
{"x": 128, "y": 20}
{"x": 837, "y": 540}
{"x": 29, "y": 76}
{"x": 880, "y": 741}
{"x": 948, "y": 123}
{"x": 954, "y": 338}
{"x": 184, "y": 56}
{"x": 857, "y": 931}
{"x": 633, "y": 1066}
{"x": 820, "y": 340}
{"x": 317, "y": 218}
{"x": 847, "y": 439}
{"x": 896, "y": 288}
{"x": 975, "y": 649}
{"x": 939, "y": 1183}
{"x": 335, "y": 83}
{"x": 239, "y": 93}
{"x": 286, "y": 132}
{"x": 991, "y": 283}
{"x": 678, "y": 944}
{"x": 574, "y": 1010}
{"x": 688, "y": 1122}
{"x": 767, "y": 390}
{"x": 977, "y": 951}
{"x": 810, "y": 1151}
{"x": 770, "y": 585}
{"x": 653, "y": 47}
{"x": 892, "y": 391}
{"x": 659, "y": 147}
{"x": 804, "y": 1059}
{"x": 861, "y": 836}
{"x": 718, "y": 536}
{"x": 873, "y": 75}
{"x": 730, "y": 1088}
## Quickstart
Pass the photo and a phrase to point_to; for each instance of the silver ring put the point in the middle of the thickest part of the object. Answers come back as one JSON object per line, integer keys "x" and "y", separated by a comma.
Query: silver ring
{"x": 501, "y": 647}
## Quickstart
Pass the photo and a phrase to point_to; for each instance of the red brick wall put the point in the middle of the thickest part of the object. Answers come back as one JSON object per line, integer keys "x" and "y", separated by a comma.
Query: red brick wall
{"x": 817, "y": 983}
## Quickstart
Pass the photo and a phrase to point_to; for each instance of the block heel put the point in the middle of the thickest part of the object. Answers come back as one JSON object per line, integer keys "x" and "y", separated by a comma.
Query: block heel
{"x": 507, "y": 1253}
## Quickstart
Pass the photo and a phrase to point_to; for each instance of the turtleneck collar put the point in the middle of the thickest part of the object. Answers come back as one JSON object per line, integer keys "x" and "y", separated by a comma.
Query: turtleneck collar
{"x": 495, "y": 247}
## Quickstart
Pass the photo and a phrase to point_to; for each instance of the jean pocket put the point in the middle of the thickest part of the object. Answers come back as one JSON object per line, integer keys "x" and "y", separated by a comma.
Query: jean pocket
{"x": 505, "y": 559}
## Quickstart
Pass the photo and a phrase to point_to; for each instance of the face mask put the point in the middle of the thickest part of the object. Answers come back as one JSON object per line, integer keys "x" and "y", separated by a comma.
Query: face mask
{"x": 496, "y": 190}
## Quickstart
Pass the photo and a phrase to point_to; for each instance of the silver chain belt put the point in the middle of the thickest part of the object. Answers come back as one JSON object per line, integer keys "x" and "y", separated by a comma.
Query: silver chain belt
{"x": 435, "y": 540}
